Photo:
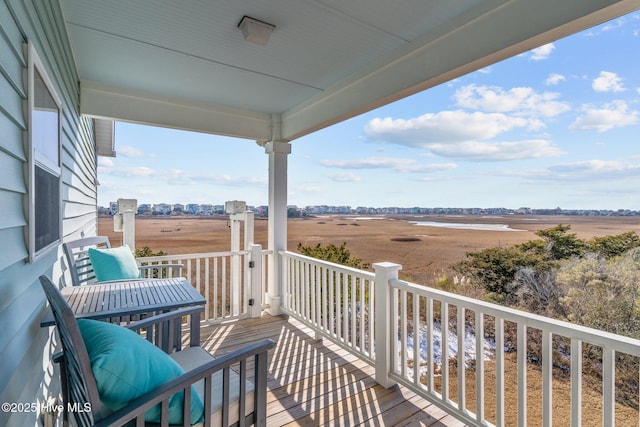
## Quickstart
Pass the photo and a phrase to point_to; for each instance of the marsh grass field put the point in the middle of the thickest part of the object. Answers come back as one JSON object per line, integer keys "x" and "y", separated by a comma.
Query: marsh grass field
{"x": 426, "y": 254}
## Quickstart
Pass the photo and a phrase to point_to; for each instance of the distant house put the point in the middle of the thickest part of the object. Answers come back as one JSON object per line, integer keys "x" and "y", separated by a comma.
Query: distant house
{"x": 162, "y": 209}
{"x": 262, "y": 210}
{"x": 177, "y": 208}
{"x": 145, "y": 209}
{"x": 193, "y": 209}
{"x": 206, "y": 209}
{"x": 113, "y": 208}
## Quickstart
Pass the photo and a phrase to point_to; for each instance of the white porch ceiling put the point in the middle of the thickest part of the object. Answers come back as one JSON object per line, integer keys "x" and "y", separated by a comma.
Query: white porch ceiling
{"x": 185, "y": 64}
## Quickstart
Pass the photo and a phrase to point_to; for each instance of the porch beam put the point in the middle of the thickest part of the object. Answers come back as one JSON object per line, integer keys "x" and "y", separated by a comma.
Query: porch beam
{"x": 99, "y": 100}
{"x": 277, "y": 239}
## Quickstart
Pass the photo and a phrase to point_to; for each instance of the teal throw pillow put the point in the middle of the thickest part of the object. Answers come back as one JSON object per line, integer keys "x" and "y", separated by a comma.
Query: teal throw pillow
{"x": 113, "y": 263}
{"x": 126, "y": 366}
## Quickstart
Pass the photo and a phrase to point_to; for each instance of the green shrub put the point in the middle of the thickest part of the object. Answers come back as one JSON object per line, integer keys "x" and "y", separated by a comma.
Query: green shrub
{"x": 538, "y": 291}
{"x": 146, "y": 252}
{"x": 610, "y": 246}
{"x": 332, "y": 253}
{"x": 602, "y": 294}
{"x": 494, "y": 269}
{"x": 560, "y": 244}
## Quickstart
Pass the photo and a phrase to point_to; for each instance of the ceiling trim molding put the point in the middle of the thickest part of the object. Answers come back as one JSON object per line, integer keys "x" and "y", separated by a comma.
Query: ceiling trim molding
{"x": 117, "y": 103}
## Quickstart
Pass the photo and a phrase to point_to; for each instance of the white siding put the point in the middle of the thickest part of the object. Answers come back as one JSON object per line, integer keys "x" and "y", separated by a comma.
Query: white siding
{"x": 25, "y": 347}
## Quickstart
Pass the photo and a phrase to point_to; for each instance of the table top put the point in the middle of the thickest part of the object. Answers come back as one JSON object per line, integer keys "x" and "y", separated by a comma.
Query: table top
{"x": 123, "y": 298}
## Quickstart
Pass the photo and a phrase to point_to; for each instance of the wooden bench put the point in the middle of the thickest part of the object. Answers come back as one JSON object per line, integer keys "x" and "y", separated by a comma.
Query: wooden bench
{"x": 77, "y": 256}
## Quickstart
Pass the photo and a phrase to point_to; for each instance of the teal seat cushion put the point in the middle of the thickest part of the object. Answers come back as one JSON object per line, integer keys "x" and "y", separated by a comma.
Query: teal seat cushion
{"x": 113, "y": 263}
{"x": 126, "y": 366}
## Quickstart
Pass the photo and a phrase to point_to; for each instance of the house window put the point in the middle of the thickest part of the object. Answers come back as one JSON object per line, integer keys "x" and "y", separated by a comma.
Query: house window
{"x": 45, "y": 204}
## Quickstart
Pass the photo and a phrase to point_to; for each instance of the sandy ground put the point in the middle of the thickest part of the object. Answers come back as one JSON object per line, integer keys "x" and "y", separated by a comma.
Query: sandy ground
{"x": 425, "y": 252}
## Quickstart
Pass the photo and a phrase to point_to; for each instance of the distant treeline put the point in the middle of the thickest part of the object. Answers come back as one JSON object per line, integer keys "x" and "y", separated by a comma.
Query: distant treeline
{"x": 298, "y": 212}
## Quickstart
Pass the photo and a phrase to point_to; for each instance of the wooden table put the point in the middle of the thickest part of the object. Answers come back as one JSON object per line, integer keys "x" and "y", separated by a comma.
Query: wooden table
{"x": 125, "y": 298}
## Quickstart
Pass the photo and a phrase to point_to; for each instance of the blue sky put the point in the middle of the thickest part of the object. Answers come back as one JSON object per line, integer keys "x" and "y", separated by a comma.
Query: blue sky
{"x": 556, "y": 126}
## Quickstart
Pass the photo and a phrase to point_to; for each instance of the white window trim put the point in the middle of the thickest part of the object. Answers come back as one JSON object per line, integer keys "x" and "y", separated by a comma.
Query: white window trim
{"x": 35, "y": 158}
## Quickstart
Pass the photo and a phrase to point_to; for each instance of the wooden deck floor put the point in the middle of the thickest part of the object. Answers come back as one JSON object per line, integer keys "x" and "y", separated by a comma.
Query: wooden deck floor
{"x": 313, "y": 383}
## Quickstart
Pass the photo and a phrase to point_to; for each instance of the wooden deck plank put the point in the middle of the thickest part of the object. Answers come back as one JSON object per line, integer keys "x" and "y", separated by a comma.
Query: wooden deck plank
{"x": 316, "y": 383}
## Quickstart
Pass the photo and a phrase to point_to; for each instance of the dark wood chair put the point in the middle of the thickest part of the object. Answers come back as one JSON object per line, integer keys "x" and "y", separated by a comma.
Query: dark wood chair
{"x": 240, "y": 402}
{"x": 77, "y": 256}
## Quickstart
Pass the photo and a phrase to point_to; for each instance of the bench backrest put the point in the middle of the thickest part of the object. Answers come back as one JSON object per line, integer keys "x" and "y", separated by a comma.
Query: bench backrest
{"x": 79, "y": 385}
{"x": 77, "y": 256}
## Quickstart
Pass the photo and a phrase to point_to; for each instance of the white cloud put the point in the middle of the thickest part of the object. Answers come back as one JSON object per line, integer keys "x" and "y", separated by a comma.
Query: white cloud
{"x": 181, "y": 177}
{"x": 614, "y": 24}
{"x": 141, "y": 171}
{"x": 395, "y": 163}
{"x": 607, "y": 82}
{"x": 369, "y": 163}
{"x": 445, "y": 126}
{"x": 542, "y": 52}
{"x": 128, "y": 151}
{"x": 595, "y": 170}
{"x": 519, "y": 100}
{"x": 298, "y": 190}
{"x": 345, "y": 177}
{"x": 105, "y": 162}
{"x": 462, "y": 135}
{"x": 554, "y": 79}
{"x": 497, "y": 151}
{"x": 588, "y": 170}
{"x": 433, "y": 167}
{"x": 597, "y": 167}
{"x": 613, "y": 115}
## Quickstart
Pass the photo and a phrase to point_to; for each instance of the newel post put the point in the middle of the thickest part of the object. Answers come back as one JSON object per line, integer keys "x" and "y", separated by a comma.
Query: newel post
{"x": 256, "y": 296}
{"x": 384, "y": 330}
{"x": 125, "y": 222}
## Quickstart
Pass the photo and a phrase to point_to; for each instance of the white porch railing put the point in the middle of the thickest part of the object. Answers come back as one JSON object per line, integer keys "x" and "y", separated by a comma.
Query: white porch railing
{"x": 333, "y": 299}
{"x": 436, "y": 343}
{"x": 231, "y": 282}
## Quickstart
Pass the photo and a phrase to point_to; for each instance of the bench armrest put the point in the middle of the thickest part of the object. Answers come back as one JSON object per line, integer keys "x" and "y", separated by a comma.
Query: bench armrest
{"x": 135, "y": 409}
{"x": 165, "y": 330}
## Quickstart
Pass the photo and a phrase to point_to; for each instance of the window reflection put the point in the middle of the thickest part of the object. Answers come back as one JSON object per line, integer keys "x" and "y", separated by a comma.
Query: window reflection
{"x": 45, "y": 123}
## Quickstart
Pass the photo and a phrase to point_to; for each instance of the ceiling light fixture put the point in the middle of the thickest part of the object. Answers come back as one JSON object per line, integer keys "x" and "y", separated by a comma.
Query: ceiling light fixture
{"x": 255, "y": 31}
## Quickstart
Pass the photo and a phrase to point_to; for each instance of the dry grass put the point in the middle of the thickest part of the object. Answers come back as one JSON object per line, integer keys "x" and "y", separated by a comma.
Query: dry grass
{"x": 561, "y": 396}
{"x": 424, "y": 252}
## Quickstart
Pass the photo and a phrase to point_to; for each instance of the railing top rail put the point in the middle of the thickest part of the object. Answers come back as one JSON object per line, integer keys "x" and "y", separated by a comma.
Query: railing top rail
{"x": 594, "y": 336}
{"x": 187, "y": 256}
{"x": 340, "y": 267}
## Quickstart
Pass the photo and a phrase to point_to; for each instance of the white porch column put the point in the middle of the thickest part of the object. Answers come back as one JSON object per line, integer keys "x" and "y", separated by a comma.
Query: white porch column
{"x": 278, "y": 152}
